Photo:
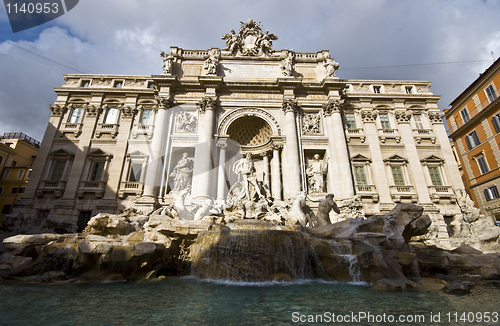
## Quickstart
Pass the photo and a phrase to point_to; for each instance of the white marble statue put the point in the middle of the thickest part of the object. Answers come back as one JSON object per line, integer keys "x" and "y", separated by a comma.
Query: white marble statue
{"x": 245, "y": 169}
{"x": 331, "y": 67}
{"x": 316, "y": 175}
{"x": 182, "y": 173}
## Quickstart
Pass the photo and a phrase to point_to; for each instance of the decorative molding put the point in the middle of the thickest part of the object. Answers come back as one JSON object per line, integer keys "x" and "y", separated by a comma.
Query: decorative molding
{"x": 227, "y": 119}
{"x": 435, "y": 117}
{"x": 250, "y": 40}
{"x": 369, "y": 116}
{"x": 208, "y": 103}
{"x": 311, "y": 124}
{"x": 58, "y": 110}
{"x": 128, "y": 111}
{"x": 92, "y": 111}
{"x": 290, "y": 105}
{"x": 164, "y": 102}
{"x": 333, "y": 105}
{"x": 403, "y": 116}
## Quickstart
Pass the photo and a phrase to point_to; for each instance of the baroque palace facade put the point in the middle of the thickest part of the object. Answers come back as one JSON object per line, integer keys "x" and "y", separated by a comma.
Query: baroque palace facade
{"x": 116, "y": 141}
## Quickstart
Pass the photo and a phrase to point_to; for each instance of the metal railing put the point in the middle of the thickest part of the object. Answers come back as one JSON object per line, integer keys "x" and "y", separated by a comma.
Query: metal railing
{"x": 21, "y": 136}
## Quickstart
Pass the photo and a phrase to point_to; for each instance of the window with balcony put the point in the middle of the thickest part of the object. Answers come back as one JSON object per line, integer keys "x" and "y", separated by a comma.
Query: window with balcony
{"x": 472, "y": 140}
{"x": 350, "y": 120}
{"x": 491, "y": 193}
{"x": 57, "y": 170}
{"x": 111, "y": 116}
{"x": 384, "y": 121}
{"x": 465, "y": 115}
{"x": 132, "y": 181}
{"x": 96, "y": 171}
{"x": 496, "y": 122}
{"x": 417, "y": 120}
{"x": 435, "y": 176}
{"x": 397, "y": 174}
{"x": 135, "y": 170}
{"x": 75, "y": 115}
{"x": 146, "y": 117}
{"x": 491, "y": 93}
{"x": 360, "y": 174}
{"x": 482, "y": 163}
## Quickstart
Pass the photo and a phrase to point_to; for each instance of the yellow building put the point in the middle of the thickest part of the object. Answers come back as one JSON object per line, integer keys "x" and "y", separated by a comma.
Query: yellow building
{"x": 17, "y": 153}
{"x": 474, "y": 121}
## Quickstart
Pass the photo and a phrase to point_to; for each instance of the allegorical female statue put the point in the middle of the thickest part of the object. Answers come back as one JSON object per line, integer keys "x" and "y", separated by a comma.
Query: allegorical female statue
{"x": 182, "y": 173}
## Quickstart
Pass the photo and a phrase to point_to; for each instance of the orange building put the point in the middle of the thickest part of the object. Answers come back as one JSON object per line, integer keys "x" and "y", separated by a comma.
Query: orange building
{"x": 17, "y": 152}
{"x": 474, "y": 122}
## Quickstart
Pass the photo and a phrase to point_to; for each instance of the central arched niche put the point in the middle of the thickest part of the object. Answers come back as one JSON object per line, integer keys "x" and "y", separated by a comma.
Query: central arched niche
{"x": 250, "y": 131}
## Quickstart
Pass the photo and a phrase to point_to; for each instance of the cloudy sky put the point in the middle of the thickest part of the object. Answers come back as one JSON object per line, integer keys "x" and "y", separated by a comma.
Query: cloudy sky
{"x": 447, "y": 42}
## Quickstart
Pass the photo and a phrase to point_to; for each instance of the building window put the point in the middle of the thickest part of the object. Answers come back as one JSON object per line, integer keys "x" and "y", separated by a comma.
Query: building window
{"x": 482, "y": 163}
{"x": 151, "y": 85}
{"x": 491, "y": 93}
{"x": 118, "y": 83}
{"x": 96, "y": 171}
{"x": 134, "y": 174}
{"x": 350, "y": 120}
{"x": 111, "y": 116}
{"x": 29, "y": 174}
{"x": 20, "y": 173}
{"x": 147, "y": 117}
{"x": 435, "y": 176}
{"x": 85, "y": 83}
{"x": 75, "y": 115}
{"x": 13, "y": 164}
{"x": 1, "y": 190}
{"x": 6, "y": 209}
{"x": 496, "y": 122}
{"x": 472, "y": 140}
{"x": 57, "y": 171}
{"x": 384, "y": 121}
{"x": 409, "y": 89}
{"x": 1, "y": 159}
{"x": 360, "y": 175}
{"x": 6, "y": 174}
{"x": 491, "y": 193}
{"x": 417, "y": 119}
{"x": 14, "y": 190}
{"x": 397, "y": 174}
{"x": 465, "y": 115}
{"x": 376, "y": 89}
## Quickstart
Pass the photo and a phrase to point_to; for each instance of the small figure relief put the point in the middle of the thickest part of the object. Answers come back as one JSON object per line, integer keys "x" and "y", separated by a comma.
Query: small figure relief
{"x": 286, "y": 65}
{"x": 331, "y": 67}
{"x": 311, "y": 124}
{"x": 247, "y": 187}
{"x": 186, "y": 122}
{"x": 265, "y": 43}
{"x": 316, "y": 172}
{"x": 212, "y": 63}
{"x": 182, "y": 173}
{"x": 168, "y": 61}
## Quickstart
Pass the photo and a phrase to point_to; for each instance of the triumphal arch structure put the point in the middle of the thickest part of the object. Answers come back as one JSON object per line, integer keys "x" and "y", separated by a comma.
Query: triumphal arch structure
{"x": 120, "y": 141}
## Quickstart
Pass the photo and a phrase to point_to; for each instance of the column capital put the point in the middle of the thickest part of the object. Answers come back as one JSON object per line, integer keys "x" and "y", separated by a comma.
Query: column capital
{"x": 127, "y": 111}
{"x": 92, "y": 110}
{"x": 369, "y": 115}
{"x": 208, "y": 103}
{"x": 164, "y": 102}
{"x": 333, "y": 105}
{"x": 221, "y": 143}
{"x": 264, "y": 153}
{"x": 403, "y": 116}
{"x": 58, "y": 110}
{"x": 435, "y": 117}
{"x": 290, "y": 105}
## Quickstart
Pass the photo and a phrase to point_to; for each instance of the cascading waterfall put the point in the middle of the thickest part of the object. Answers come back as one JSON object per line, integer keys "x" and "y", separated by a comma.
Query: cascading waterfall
{"x": 343, "y": 249}
{"x": 253, "y": 252}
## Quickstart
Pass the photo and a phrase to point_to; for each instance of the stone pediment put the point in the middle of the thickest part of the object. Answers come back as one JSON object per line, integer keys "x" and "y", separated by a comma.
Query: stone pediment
{"x": 360, "y": 158}
{"x": 98, "y": 152}
{"x": 396, "y": 158}
{"x": 432, "y": 159}
{"x": 61, "y": 152}
{"x": 137, "y": 154}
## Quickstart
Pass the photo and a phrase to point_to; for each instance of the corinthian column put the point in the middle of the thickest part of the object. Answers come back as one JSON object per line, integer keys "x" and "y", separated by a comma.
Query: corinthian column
{"x": 275, "y": 172}
{"x": 291, "y": 165}
{"x": 339, "y": 162}
{"x": 221, "y": 182}
{"x": 152, "y": 180}
{"x": 203, "y": 165}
